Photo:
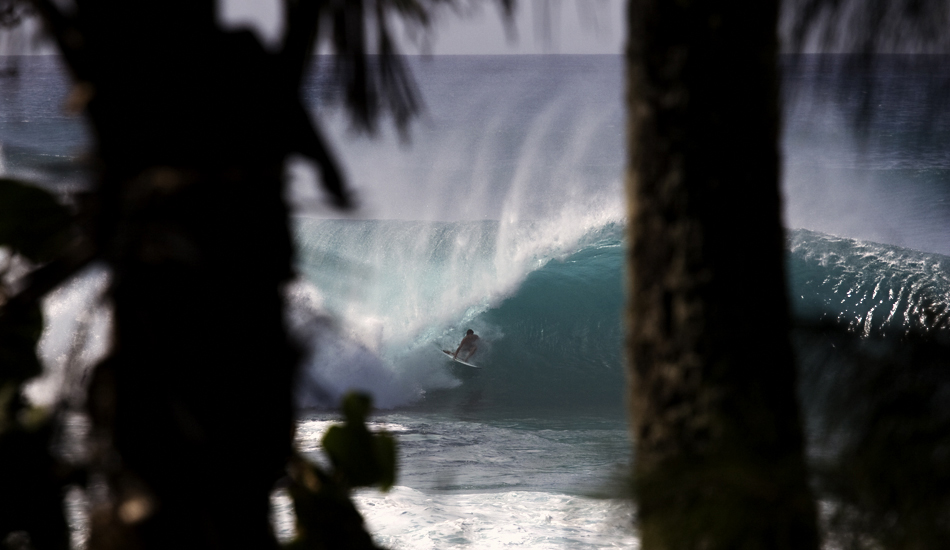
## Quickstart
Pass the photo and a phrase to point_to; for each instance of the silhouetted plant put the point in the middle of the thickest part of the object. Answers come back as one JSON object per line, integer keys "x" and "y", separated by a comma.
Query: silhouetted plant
{"x": 326, "y": 518}
{"x": 33, "y": 228}
{"x": 192, "y": 125}
{"x": 881, "y": 427}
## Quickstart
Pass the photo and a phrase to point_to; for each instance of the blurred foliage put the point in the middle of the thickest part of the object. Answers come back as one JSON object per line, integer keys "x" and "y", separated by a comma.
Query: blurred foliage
{"x": 867, "y": 26}
{"x": 868, "y": 38}
{"x": 32, "y": 485}
{"x": 32, "y": 222}
{"x": 326, "y": 517}
{"x": 362, "y": 458}
{"x": 33, "y": 226}
{"x": 882, "y": 437}
{"x": 20, "y": 330}
{"x": 12, "y": 12}
{"x": 373, "y": 84}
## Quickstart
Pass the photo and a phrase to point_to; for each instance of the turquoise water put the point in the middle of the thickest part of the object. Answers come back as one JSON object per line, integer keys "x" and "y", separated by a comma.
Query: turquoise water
{"x": 548, "y": 313}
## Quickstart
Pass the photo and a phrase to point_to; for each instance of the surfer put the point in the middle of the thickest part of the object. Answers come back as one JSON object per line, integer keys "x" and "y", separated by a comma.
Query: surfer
{"x": 469, "y": 344}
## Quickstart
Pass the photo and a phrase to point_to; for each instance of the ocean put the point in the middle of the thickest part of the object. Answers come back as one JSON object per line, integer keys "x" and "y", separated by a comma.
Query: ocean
{"x": 502, "y": 212}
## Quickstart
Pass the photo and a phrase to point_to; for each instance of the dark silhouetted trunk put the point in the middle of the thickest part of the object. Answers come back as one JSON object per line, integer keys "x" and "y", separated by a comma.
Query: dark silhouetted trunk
{"x": 719, "y": 451}
{"x": 192, "y": 412}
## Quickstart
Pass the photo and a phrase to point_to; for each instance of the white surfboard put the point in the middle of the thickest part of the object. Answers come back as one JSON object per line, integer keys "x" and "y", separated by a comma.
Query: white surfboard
{"x": 457, "y": 360}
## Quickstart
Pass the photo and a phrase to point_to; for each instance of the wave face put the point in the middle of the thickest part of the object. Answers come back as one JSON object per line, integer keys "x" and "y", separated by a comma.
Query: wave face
{"x": 546, "y": 303}
{"x": 548, "y": 308}
{"x": 875, "y": 289}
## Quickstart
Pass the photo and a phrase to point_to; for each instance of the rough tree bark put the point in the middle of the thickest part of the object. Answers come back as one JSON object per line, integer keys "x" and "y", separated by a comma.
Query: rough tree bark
{"x": 718, "y": 440}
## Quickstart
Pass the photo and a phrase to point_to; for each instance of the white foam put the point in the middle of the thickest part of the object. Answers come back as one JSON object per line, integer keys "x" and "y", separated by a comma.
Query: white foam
{"x": 405, "y": 518}
{"x": 76, "y": 335}
{"x": 340, "y": 360}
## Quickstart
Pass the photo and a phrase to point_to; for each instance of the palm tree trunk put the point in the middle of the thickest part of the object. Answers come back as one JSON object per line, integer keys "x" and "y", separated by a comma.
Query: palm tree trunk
{"x": 718, "y": 440}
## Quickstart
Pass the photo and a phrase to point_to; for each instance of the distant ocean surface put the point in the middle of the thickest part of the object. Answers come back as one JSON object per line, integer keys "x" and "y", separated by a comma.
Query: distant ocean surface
{"x": 504, "y": 213}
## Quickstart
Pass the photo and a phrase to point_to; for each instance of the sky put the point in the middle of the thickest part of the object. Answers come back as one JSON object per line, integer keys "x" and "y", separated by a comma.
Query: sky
{"x": 576, "y": 27}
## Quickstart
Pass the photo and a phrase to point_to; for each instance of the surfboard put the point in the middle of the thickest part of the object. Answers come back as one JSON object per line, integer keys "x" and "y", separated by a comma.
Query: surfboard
{"x": 457, "y": 360}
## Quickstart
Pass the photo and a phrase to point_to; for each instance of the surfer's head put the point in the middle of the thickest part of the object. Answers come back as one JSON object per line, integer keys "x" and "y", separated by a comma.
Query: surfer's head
{"x": 470, "y": 331}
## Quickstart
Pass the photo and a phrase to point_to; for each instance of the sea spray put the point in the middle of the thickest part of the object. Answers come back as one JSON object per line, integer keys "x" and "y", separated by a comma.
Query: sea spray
{"x": 522, "y": 138}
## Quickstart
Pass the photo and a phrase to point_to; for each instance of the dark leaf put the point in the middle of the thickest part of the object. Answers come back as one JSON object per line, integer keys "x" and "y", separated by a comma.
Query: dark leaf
{"x": 20, "y": 330}
{"x": 32, "y": 222}
{"x": 361, "y": 457}
{"x": 326, "y": 517}
{"x": 30, "y": 490}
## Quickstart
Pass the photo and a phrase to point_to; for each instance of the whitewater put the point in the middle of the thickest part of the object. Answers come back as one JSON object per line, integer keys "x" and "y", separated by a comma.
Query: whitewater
{"x": 504, "y": 214}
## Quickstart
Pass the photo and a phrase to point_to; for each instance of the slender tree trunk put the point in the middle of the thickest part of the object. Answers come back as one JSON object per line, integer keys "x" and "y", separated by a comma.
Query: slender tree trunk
{"x": 719, "y": 451}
